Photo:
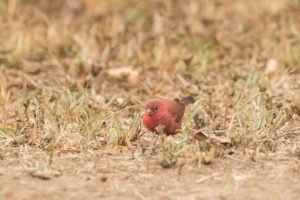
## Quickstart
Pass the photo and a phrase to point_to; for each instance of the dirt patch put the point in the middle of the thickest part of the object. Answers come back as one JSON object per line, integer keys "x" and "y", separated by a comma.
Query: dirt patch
{"x": 118, "y": 175}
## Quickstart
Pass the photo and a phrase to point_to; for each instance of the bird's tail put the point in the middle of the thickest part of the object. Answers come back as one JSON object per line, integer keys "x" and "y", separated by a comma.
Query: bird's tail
{"x": 187, "y": 100}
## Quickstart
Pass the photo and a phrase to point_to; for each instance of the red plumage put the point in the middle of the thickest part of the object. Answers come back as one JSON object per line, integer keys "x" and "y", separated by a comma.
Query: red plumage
{"x": 167, "y": 113}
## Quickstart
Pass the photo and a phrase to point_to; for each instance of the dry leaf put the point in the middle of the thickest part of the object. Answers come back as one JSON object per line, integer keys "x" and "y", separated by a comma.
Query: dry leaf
{"x": 201, "y": 180}
{"x": 45, "y": 174}
{"x": 121, "y": 148}
{"x": 125, "y": 72}
{"x": 199, "y": 136}
{"x": 209, "y": 156}
{"x": 65, "y": 147}
{"x": 271, "y": 66}
{"x": 221, "y": 140}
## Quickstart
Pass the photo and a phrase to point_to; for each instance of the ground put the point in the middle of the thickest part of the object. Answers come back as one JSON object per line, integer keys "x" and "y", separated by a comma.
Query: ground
{"x": 74, "y": 77}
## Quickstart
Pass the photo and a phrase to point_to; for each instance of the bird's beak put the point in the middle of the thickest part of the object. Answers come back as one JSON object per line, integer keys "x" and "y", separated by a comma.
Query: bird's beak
{"x": 149, "y": 111}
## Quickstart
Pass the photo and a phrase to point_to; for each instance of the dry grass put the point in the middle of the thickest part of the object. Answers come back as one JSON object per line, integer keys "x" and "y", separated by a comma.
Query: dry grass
{"x": 74, "y": 76}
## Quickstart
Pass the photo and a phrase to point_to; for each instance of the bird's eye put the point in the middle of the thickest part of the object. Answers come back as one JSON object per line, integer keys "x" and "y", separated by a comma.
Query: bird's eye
{"x": 155, "y": 107}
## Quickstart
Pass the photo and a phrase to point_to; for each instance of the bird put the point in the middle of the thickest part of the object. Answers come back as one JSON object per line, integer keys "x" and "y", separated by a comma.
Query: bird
{"x": 165, "y": 113}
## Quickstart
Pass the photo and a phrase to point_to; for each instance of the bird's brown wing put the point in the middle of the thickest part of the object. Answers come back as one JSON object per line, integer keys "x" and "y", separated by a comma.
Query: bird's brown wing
{"x": 176, "y": 109}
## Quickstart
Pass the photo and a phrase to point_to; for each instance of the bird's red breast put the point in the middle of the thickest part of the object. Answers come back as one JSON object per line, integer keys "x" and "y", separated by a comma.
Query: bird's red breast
{"x": 167, "y": 113}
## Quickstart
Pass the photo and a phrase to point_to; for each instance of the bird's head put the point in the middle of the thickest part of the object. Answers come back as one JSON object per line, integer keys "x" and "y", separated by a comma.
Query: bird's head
{"x": 152, "y": 108}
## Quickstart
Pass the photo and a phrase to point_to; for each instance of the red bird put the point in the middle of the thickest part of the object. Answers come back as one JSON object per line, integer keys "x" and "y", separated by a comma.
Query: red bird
{"x": 167, "y": 113}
